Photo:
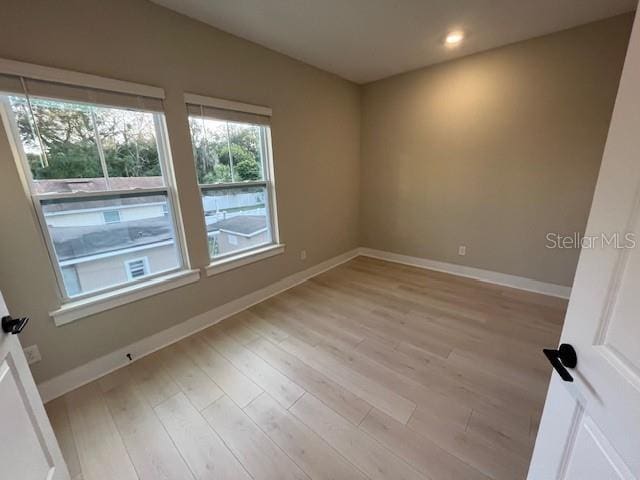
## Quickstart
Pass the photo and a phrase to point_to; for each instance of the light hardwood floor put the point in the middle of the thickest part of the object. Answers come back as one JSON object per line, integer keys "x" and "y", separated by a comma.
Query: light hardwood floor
{"x": 371, "y": 370}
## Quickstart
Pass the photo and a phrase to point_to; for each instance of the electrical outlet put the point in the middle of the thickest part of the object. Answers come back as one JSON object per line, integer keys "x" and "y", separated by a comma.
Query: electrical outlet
{"x": 32, "y": 354}
{"x": 462, "y": 250}
{"x": 303, "y": 254}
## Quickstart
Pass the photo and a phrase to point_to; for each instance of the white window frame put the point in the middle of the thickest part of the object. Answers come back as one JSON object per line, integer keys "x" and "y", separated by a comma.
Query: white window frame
{"x": 105, "y": 298}
{"x": 145, "y": 266}
{"x": 244, "y": 256}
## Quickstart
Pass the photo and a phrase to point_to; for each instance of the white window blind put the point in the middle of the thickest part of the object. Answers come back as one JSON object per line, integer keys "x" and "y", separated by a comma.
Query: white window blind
{"x": 47, "y": 89}
{"x": 229, "y": 115}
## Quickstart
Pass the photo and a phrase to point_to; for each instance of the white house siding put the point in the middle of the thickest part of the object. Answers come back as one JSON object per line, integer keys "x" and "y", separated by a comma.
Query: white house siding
{"x": 109, "y": 271}
{"x": 75, "y": 219}
{"x": 225, "y": 246}
{"x": 142, "y": 211}
{"x": 95, "y": 217}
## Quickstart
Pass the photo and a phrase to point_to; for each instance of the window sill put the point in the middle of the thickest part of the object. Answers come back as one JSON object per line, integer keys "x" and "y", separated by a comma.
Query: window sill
{"x": 245, "y": 258}
{"x": 83, "y": 308}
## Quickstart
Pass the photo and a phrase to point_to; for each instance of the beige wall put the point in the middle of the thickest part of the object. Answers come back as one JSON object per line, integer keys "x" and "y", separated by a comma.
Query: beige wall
{"x": 492, "y": 151}
{"x": 316, "y": 145}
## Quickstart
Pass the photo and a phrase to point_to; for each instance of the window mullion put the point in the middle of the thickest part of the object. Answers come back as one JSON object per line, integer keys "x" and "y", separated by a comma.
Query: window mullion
{"x": 223, "y": 186}
{"x": 169, "y": 179}
{"x": 109, "y": 194}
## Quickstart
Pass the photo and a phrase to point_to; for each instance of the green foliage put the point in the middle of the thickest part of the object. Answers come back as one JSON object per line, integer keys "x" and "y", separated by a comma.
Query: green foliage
{"x": 133, "y": 160}
{"x": 245, "y": 137}
{"x": 238, "y": 154}
{"x": 216, "y": 145}
{"x": 74, "y": 161}
{"x": 220, "y": 173}
{"x": 248, "y": 170}
{"x": 68, "y": 134}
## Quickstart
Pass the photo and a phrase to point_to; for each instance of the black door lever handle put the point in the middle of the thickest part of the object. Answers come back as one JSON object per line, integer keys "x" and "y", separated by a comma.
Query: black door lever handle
{"x": 13, "y": 325}
{"x": 565, "y": 356}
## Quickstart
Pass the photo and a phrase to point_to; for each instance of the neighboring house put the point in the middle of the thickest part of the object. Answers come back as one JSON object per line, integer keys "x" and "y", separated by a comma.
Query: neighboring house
{"x": 95, "y": 184}
{"x": 121, "y": 243}
{"x": 134, "y": 237}
{"x": 239, "y": 232}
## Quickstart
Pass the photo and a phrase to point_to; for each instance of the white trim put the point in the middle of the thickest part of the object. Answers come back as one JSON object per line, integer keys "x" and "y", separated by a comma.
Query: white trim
{"x": 270, "y": 175}
{"x": 57, "y": 386}
{"x": 69, "y": 77}
{"x": 232, "y": 185}
{"x": 131, "y": 192}
{"x": 497, "y": 278}
{"x": 245, "y": 258}
{"x": 221, "y": 103}
{"x": 99, "y": 303}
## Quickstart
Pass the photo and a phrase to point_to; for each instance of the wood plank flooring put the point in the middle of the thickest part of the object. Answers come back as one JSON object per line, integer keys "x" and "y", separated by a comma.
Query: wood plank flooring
{"x": 372, "y": 370}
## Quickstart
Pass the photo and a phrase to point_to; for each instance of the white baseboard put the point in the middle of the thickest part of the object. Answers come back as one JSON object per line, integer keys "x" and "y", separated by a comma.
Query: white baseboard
{"x": 57, "y": 386}
{"x": 513, "y": 281}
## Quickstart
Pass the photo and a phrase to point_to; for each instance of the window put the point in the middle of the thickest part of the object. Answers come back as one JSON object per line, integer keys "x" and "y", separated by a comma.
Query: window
{"x": 97, "y": 167}
{"x": 232, "y": 151}
{"x": 137, "y": 268}
{"x": 111, "y": 216}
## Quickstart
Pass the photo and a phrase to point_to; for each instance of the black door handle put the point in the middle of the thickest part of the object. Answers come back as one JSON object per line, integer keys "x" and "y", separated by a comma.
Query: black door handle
{"x": 565, "y": 356}
{"x": 13, "y": 325}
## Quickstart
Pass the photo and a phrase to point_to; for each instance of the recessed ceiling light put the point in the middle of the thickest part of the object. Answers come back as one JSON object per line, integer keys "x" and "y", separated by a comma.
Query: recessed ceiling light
{"x": 454, "y": 38}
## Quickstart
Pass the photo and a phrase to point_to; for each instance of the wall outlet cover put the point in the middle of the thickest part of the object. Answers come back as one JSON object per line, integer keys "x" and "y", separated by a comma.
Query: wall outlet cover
{"x": 462, "y": 250}
{"x": 32, "y": 353}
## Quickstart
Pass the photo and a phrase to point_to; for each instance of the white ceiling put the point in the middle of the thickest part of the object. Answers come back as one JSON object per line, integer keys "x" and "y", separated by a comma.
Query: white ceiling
{"x": 365, "y": 40}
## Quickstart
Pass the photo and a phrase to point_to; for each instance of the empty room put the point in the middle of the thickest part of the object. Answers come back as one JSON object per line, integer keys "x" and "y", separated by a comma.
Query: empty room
{"x": 319, "y": 240}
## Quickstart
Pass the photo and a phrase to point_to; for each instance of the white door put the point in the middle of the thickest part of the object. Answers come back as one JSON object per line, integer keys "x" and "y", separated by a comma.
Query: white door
{"x": 28, "y": 447}
{"x": 590, "y": 427}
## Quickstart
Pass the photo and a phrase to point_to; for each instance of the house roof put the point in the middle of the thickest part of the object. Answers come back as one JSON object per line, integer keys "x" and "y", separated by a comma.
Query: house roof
{"x": 82, "y": 241}
{"x": 247, "y": 225}
{"x": 96, "y": 184}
